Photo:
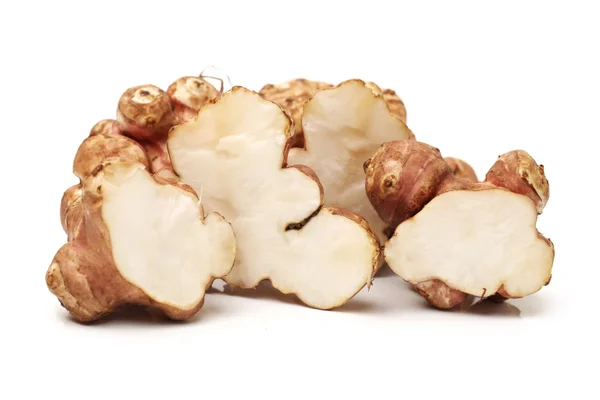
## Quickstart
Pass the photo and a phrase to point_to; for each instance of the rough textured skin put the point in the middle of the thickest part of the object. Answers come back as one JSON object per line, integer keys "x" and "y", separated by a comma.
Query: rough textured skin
{"x": 144, "y": 112}
{"x": 108, "y": 127}
{"x": 291, "y": 96}
{"x": 71, "y": 210}
{"x": 188, "y": 94}
{"x": 101, "y": 146}
{"x": 439, "y": 294}
{"x": 403, "y": 176}
{"x": 518, "y": 172}
{"x": 461, "y": 169}
{"x": 159, "y": 158}
{"x": 83, "y": 274}
{"x": 394, "y": 102}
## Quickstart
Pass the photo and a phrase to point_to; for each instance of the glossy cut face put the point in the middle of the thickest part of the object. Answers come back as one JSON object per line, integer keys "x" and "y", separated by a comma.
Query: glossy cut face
{"x": 232, "y": 154}
{"x": 159, "y": 241}
{"x": 474, "y": 241}
{"x": 343, "y": 127}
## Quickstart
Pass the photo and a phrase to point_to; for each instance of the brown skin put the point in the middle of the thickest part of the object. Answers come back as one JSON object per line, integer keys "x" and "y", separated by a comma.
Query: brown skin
{"x": 71, "y": 210}
{"x": 461, "y": 169}
{"x": 145, "y": 113}
{"x": 405, "y": 175}
{"x": 188, "y": 94}
{"x": 83, "y": 274}
{"x": 97, "y": 148}
{"x": 518, "y": 172}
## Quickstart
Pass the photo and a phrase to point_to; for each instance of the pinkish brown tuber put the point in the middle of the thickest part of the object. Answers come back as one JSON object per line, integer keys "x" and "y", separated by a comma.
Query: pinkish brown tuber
{"x": 188, "y": 94}
{"x": 144, "y": 113}
{"x": 454, "y": 236}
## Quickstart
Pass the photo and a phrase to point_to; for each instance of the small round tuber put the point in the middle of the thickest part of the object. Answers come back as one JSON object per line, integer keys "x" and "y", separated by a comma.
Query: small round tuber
{"x": 518, "y": 172}
{"x": 188, "y": 94}
{"x": 144, "y": 113}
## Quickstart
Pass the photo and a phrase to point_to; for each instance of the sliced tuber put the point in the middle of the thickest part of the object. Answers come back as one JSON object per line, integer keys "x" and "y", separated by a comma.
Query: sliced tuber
{"x": 234, "y": 153}
{"x": 454, "y": 236}
{"x": 134, "y": 238}
{"x": 344, "y": 126}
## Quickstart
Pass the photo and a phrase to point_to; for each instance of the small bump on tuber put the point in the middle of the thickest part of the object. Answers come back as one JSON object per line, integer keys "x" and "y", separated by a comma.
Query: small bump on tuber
{"x": 188, "y": 94}
{"x": 461, "y": 169}
{"x": 518, "y": 172}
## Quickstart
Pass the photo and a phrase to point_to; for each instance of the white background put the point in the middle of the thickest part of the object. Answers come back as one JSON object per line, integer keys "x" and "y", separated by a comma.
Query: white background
{"x": 478, "y": 79}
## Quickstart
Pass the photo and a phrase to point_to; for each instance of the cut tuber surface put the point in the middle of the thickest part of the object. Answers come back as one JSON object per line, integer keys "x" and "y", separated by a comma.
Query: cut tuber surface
{"x": 454, "y": 235}
{"x": 141, "y": 240}
{"x": 343, "y": 127}
{"x": 234, "y": 153}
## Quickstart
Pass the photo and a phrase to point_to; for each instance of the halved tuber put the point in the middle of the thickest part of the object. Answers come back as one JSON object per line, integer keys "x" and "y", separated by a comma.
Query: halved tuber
{"x": 454, "y": 235}
{"x": 234, "y": 153}
{"x": 344, "y": 126}
{"x": 140, "y": 240}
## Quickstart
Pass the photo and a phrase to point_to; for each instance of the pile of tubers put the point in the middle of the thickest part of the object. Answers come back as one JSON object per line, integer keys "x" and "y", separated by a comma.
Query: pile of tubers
{"x": 311, "y": 186}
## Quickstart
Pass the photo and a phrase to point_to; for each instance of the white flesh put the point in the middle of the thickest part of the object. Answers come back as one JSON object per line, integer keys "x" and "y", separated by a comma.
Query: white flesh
{"x": 343, "y": 127}
{"x": 159, "y": 241}
{"x": 232, "y": 154}
{"x": 475, "y": 242}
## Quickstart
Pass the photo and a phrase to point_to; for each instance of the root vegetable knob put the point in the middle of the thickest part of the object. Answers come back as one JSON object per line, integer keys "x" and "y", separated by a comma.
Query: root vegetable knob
{"x": 402, "y": 176}
{"x": 144, "y": 113}
{"x": 70, "y": 210}
{"x": 188, "y": 94}
{"x": 453, "y": 236}
{"x": 518, "y": 172}
{"x": 461, "y": 169}
{"x": 108, "y": 127}
{"x": 96, "y": 149}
